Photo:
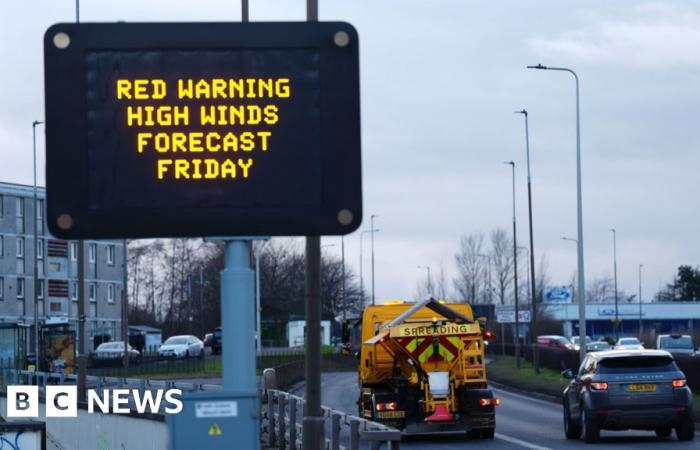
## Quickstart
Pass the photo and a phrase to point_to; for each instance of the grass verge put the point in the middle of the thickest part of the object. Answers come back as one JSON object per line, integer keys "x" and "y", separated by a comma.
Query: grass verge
{"x": 502, "y": 370}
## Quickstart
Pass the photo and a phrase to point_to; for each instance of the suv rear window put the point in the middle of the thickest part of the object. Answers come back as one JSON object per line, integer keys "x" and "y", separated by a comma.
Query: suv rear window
{"x": 676, "y": 342}
{"x": 637, "y": 364}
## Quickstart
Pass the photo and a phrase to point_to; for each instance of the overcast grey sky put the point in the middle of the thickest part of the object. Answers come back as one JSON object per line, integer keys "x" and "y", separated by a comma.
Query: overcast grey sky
{"x": 440, "y": 81}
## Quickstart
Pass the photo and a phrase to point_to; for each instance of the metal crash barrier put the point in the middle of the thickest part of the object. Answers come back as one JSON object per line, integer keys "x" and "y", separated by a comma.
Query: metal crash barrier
{"x": 280, "y": 426}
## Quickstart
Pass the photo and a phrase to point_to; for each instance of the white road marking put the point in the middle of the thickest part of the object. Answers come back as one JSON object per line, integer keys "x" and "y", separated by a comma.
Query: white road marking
{"x": 520, "y": 442}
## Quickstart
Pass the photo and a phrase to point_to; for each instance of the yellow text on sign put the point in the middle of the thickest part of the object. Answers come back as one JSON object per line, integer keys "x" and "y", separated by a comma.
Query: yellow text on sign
{"x": 415, "y": 330}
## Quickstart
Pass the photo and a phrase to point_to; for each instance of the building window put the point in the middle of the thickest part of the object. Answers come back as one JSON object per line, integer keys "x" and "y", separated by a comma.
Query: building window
{"x": 2, "y": 287}
{"x": 40, "y": 293}
{"x": 110, "y": 293}
{"x": 20, "y": 287}
{"x": 40, "y": 249}
{"x": 73, "y": 251}
{"x": 55, "y": 307}
{"x": 92, "y": 253}
{"x": 20, "y": 247}
{"x": 74, "y": 291}
{"x": 110, "y": 255}
{"x": 2, "y": 245}
{"x": 20, "y": 207}
{"x": 39, "y": 209}
{"x": 2, "y": 205}
{"x": 92, "y": 294}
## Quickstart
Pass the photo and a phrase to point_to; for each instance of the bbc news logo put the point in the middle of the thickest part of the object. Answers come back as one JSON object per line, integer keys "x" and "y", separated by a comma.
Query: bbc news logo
{"x": 62, "y": 401}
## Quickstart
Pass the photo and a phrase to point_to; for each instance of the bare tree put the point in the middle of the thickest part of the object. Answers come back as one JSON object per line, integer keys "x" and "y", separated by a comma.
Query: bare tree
{"x": 469, "y": 266}
{"x": 424, "y": 288}
{"x": 600, "y": 289}
{"x": 441, "y": 287}
{"x": 502, "y": 260}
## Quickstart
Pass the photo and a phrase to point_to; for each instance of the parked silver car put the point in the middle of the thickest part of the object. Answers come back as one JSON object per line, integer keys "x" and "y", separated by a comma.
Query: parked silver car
{"x": 183, "y": 346}
{"x": 113, "y": 352}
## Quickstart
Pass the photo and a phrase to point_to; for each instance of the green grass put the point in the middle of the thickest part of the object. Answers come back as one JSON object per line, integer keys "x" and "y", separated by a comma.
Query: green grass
{"x": 211, "y": 367}
{"x": 502, "y": 370}
{"x": 177, "y": 369}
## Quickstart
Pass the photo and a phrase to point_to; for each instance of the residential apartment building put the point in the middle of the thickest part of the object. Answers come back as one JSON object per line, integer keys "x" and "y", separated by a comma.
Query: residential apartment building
{"x": 57, "y": 263}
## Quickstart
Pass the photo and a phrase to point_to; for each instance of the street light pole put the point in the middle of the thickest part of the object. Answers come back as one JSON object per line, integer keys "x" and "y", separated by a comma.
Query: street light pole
{"x": 515, "y": 275}
{"x": 371, "y": 221}
{"x": 572, "y": 286}
{"x": 37, "y": 284}
{"x": 579, "y": 210}
{"x": 640, "y": 301}
{"x": 531, "y": 273}
{"x": 362, "y": 284}
{"x": 430, "y": 288}
{"x": 617, "y": 316}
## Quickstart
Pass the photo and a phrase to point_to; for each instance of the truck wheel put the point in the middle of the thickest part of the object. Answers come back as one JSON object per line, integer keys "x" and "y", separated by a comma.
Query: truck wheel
{"x": 590, "y": 430}
{"x": 488, "y": 433}
{"x": 572, "y": 429}
{"x": 685, "y": 431}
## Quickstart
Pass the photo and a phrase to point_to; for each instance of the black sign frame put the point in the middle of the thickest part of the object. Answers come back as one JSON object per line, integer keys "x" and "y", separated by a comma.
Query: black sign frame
{"x": 67, "y": 167}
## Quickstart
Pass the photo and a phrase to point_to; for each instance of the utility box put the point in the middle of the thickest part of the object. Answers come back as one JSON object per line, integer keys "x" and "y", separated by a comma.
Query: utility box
{"x": 215, "y": 421}
{"x": 23, "y": 434}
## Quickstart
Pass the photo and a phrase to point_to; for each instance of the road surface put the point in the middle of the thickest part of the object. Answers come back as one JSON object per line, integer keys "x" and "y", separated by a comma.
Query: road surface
{"x": 521, "y": 423}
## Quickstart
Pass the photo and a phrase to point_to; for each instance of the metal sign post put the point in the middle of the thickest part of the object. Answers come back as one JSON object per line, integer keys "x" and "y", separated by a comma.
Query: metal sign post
{"x": 312, "y": 431}
{"x": 313, "y": 415}
{"x": 237, "y": 301}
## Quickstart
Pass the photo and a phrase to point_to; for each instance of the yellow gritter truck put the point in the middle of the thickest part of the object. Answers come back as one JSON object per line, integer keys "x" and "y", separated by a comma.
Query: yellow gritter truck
{"x": 422, "y": 369}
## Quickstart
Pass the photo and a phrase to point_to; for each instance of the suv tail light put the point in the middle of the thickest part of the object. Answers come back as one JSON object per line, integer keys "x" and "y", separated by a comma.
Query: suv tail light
{"x": 386, "y": 406}
{"x": 599, "y": 386}
{"x": 679, "y": 383}
{"x": 489, "y": 402}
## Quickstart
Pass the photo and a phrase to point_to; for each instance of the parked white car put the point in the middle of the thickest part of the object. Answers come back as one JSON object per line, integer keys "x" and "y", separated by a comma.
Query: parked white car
{"x": 184, "y": 346}
{"x": 628, "y": 343}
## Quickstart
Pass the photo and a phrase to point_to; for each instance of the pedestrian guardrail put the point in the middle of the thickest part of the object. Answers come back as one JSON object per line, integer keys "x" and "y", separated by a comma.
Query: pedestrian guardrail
{"x": 281, "y": 426}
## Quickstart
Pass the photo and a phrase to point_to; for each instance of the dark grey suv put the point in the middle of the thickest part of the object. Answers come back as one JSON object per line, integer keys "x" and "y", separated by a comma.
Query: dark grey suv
{"x": 621, "y": 390}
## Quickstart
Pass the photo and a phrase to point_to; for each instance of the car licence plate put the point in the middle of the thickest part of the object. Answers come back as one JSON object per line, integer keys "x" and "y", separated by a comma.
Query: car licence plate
{"x": 391, "y": 414}
{"x": 641, "y": 388}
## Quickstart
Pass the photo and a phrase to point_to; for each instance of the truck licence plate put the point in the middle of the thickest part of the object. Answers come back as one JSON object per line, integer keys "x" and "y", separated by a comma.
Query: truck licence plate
{"x": 391, "y": 414}
{"x": 641, "y": 387}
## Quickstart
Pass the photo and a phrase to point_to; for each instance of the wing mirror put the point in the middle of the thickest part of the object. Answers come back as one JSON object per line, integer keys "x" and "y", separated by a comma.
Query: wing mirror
{"x": 568, "y": 374}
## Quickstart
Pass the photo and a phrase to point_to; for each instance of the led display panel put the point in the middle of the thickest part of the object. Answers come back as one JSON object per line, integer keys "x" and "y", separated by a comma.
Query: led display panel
{"x": 182, "y": 130}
